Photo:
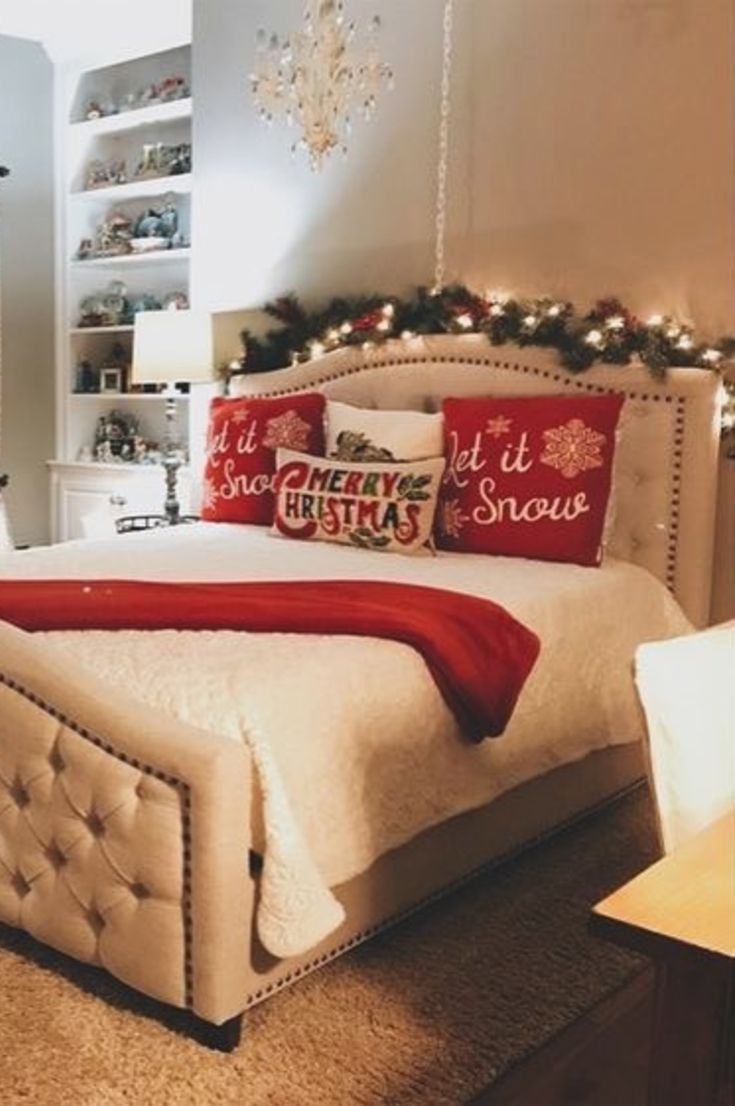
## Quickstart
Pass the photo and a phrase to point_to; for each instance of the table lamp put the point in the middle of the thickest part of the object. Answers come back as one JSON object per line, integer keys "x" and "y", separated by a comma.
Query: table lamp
{"x": 172, "y": 347}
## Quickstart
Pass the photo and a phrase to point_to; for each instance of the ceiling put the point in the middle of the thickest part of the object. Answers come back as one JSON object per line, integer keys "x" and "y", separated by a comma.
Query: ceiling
{"x": 83, "y": 29}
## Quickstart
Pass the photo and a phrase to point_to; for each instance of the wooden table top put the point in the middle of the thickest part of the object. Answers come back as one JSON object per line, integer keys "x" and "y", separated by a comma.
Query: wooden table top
{"x": 686, "y": 900}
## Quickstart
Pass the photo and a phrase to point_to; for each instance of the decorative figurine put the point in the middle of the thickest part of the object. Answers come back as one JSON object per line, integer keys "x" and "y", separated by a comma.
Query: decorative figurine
{"x": 102, "y": 174}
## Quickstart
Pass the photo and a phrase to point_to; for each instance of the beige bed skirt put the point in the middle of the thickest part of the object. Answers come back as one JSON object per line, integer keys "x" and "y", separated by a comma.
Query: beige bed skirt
{"x": 443, "y": 858}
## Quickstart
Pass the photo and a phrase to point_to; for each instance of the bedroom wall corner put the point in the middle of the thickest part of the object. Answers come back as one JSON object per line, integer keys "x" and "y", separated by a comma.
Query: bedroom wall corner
{"x": 27, "y": 260}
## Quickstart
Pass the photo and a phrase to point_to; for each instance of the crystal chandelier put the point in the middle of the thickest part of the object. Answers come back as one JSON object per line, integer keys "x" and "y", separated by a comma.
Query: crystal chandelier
{"x": 318, "y": 75}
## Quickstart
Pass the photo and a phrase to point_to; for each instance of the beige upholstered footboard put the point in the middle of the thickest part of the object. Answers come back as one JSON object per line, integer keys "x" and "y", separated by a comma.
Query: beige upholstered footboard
{"x": 124, "y": 834}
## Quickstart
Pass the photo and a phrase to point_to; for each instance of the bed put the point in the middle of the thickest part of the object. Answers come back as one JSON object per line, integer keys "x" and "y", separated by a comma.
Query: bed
{"x": 175, "y": 806}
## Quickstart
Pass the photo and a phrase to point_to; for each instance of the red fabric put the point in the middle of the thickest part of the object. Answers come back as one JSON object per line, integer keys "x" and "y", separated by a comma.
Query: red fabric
{"x": 528, "y": 477}
{"x": 243, "y": 437}
{"x": 478, "y": 654}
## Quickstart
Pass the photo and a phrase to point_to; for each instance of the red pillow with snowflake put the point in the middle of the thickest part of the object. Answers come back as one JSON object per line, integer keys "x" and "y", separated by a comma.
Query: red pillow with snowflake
{"x": 528, "y": 477}
{"x": 243, "y": 436}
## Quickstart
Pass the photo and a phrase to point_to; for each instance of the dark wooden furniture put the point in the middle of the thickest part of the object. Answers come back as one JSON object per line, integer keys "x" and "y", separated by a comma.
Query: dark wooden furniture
{"x": 681, "y": 912}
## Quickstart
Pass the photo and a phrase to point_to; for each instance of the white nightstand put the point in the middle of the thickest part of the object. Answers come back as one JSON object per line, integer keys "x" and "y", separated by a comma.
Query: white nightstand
{"x": 86, "y": 499}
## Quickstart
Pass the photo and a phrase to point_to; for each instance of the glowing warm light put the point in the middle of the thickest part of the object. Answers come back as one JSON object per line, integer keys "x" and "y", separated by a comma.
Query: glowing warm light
{"x": 332, "y": 334}
{"x": 497, "y": 310}
{"x": 316, "y": 349}
{"x": 712, "y": 356}
{"x": 594, "y": 338}
{"x": 465, "y": 320}
{"x": 389, "y": 310}
{"x": 384, "y": 325}
{"x": 615, "y": 322}
{"x": 673, "y": 332}
{"x": 655, "y": 320}
{"x": 497, "y": 295}
{"x": 406, "y": 334}
{"x": 554, "y": 311}
{"x": 530, "y": 320}
{"x": 685, "y": 342}
{"x": 346, "y": 328}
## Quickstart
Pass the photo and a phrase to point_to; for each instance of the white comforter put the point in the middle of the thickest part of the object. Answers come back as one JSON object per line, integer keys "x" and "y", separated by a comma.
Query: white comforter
{"x": 356, "y": 750}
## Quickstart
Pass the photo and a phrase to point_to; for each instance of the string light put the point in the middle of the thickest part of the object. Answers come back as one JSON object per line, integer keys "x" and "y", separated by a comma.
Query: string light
{"x": 615, "y": 322}
{"x": 712, "y": 356}
{"x": 530, "y": 321}
{"x": 554, "y": 311}
{"x": 407, "y": 335}
{"x": 595, "y": 338}
{"x": 496, "y": 310}
{"x": 346, "y": 328}
{"x": 464, "y": 320}
{"x": 655, "y": 320}
{"x": 317, "y": 349}
{"x": 685, "y": 342}
{"x": 673, "y": 332}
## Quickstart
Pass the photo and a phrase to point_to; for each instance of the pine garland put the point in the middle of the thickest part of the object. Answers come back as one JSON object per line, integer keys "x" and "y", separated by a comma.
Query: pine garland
{"x": 608, "y": 333}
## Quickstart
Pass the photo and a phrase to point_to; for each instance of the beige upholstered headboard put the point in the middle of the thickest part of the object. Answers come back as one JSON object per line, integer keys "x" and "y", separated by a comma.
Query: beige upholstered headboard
{"x": 666, "y": 461}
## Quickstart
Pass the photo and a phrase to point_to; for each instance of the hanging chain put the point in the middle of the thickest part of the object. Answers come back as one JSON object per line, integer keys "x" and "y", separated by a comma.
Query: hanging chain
{"x": 441, "y": 176}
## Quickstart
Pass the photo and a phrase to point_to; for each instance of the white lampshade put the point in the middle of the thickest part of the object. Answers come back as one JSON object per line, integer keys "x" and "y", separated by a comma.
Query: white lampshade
{"x": 170, "y": 346}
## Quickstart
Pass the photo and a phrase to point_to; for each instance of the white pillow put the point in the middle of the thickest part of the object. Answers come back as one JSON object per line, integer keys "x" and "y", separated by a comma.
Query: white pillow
{"x": 358, "y": 434}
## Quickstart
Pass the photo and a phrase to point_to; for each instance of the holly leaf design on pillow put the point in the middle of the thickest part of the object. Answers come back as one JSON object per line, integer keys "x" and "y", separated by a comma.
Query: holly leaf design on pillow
{"x": 287, "y": 431}
{"x": 353, "y": 445}
{"x": 572, "y": 448}
{"x": 413, "y": 487}
{"x": 366, "y": 539}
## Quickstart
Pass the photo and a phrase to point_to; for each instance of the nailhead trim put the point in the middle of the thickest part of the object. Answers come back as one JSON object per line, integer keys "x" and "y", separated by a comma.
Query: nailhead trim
{"x": 133, "y": 762}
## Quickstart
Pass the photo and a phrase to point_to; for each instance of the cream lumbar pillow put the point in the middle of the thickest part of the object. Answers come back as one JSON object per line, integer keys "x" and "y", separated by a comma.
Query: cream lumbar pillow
{"x": 386, "y": 505}
{"x": 360, "y": 434}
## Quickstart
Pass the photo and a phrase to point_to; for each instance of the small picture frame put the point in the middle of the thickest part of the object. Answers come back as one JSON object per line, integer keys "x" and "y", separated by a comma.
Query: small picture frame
{"x": 110, "y": 381}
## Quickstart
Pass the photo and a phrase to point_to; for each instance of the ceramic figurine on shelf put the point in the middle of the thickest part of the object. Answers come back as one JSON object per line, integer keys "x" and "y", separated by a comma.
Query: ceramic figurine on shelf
{"x": 171, "y": 88}
{"x": 175, "y": 301}
{"x": 176, "y": 159}
{"x": 102, "y": 174}
{"x": 158, "y": 222}
{"x": 112, "y": 238}
{"x": 87, "y": 380}
{"x": 144, "y": 302}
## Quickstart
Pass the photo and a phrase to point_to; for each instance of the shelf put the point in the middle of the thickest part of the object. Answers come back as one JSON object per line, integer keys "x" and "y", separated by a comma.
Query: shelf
{"x": 120, "y": 466}
{"x": 137, "y": 189}
{"x": 159, "y": 257}
{"x": 137, "y": 397}
{"x": 132, "y": 120}
{"x": 75, "y": 330}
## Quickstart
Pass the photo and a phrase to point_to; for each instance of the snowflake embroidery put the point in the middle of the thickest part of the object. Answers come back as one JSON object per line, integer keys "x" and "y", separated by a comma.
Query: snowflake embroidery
{"x": 451, "y": 518}
{"x": 287, "y": 431}
{"x": 241, "y": 415}
{"x": 210, "y": 495}
{"x": 572, "y": 448}
{"x": 499, "y": 426}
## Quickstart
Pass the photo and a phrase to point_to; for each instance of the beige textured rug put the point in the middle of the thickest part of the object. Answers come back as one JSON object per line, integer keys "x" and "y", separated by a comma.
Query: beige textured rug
{"x": 430, "y": 1013}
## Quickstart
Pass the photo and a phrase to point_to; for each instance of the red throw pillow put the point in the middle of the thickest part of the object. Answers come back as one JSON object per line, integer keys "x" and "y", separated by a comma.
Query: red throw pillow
{"x": 243, "y": 437}
{"x": 528, "y": 477}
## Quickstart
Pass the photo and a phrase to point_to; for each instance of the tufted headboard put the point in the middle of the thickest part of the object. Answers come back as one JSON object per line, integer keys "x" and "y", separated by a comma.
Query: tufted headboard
{"x": 666, "y": 460}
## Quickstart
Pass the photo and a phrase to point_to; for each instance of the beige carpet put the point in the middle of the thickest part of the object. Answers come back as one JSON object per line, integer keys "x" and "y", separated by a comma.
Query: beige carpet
{"x": 430, "y": 1013}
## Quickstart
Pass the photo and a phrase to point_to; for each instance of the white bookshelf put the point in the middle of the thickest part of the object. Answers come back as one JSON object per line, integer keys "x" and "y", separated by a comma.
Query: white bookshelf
{"x": 118, "y": 135}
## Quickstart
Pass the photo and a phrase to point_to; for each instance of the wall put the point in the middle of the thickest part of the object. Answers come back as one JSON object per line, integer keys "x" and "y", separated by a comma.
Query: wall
{"x": 592, "y": 152}
{"x": 26, "y": 258}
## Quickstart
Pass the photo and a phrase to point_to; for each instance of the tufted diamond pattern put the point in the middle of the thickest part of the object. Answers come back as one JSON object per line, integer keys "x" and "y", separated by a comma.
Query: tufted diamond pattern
{"x": 91, "y": 850}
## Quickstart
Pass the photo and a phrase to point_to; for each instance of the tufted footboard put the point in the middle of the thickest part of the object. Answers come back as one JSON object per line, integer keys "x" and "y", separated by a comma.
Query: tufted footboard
{"x": 123, "y": 833}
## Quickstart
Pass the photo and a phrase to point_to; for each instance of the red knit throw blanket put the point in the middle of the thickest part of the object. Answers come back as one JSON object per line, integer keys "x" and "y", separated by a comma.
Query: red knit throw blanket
{"x": 478, "y": 654}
